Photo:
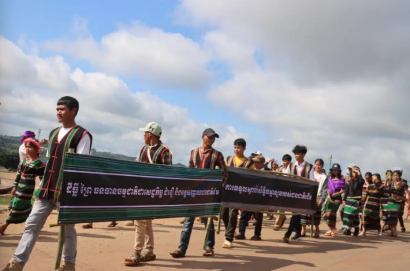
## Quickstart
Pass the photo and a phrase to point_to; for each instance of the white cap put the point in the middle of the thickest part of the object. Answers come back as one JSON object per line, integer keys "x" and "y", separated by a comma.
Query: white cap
{"x": 256, "y": 153}
{"x": 152, "y": 128}
{"x": 397, "y": 169}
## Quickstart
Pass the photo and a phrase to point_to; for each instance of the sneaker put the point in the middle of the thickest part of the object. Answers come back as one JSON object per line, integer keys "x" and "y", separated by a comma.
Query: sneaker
{"x": 227, "y": 244}
{"x": 240, "y": 237}
{"x": 13, "y": 265}
{"x": 256, "y": 238}
{"x": 297, "y": 237}
{"x": 285, "y": 239}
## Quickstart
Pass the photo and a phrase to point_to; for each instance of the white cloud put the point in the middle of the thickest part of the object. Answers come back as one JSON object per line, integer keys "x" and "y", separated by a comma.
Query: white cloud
{"x": 168, "y": 60}
{"x": 330, "y": 75}
{"x": 108, "y": 108}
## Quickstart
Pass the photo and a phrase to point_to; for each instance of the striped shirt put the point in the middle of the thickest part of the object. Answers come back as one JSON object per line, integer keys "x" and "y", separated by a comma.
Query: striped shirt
{"x": 210, "y": 158}
{"x": 157, "y": 154}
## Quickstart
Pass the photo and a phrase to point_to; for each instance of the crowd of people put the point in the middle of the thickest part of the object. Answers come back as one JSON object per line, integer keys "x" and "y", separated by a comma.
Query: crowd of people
{"x": 363, "y": 202}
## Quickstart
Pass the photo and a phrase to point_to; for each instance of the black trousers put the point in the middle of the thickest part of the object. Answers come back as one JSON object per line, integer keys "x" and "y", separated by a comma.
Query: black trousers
{"x": 401, "y": 219}
{"x": 245, "y": 217}
{"x": 230, "y": 219}
{"x": 294, "y": 225}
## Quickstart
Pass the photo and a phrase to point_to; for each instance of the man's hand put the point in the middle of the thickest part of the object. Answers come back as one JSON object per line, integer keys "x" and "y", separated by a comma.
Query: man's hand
{"x": 344, "y": 203}
{"x": 334, "y": 195}
{"x": 13, "y": 191}
{"x": 43, "y": 141}
{"x": 320, "y": 203}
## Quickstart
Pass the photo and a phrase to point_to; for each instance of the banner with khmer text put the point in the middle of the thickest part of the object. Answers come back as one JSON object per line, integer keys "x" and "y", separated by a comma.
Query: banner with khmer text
{"x": 264, "y": 191}
{"x": 97, "y": 189}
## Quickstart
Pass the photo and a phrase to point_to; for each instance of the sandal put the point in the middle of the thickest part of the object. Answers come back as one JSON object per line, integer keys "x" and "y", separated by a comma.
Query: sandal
{"x": 88, "y": 226}
{"x": 208, "y": 252}
{"x": 112, "y": 224}
{"x": 147, "y": 257}
{"x": 227, "y": 244}
{"x": 132, "y": 260}
{"x": 328, "y": 233}
{"x": 177, "y": 254}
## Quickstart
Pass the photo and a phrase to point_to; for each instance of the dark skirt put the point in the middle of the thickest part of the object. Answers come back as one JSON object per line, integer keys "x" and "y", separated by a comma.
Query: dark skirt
{"x": 371, "y": 214}
{"x": 351, "y": 214}
{"x": 393, "y": 212}
{"x": 384, "y": 202}
{"x": 306, "y": 219}
{"x": 330, "y": 212}
{"x": 21, "y": 205}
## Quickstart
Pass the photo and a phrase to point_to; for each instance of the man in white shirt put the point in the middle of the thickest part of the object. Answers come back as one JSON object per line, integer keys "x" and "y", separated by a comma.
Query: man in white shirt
{"x": 69, "y": 137}
{"x": 304, "y": 169}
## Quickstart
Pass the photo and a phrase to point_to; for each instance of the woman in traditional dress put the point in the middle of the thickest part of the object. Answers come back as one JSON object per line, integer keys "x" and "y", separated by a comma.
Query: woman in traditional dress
{"x": 321, "y": 178}
{"x": 24, "y": 184}
{"x": 371, "y": 208}
{"x": 336, "y": 186}
{"x": 398, "y": 194}
{"x": 351, "y": 202}
{"x": 385, "y": 199}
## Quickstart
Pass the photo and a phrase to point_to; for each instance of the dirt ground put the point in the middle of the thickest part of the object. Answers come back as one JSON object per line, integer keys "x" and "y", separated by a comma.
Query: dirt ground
{"x": 103, "y": 248}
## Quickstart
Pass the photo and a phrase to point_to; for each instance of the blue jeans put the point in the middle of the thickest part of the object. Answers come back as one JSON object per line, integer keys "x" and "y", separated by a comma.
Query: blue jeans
{"x": 186, "y": 234}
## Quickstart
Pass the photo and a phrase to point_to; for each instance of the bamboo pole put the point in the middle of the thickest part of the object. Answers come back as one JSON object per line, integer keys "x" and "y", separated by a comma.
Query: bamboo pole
{"x": 61, "y": 238}
{"x": 208, "y": 229}
{"x": 218, "y": 229}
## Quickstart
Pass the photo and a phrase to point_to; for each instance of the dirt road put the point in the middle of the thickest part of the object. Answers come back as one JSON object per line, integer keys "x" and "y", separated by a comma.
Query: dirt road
{"x": 105, "y": 248}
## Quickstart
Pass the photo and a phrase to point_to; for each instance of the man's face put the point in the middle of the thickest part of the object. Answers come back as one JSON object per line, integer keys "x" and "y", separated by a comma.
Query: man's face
{"x": 285, "y": 163}
{"x": 64, "y": 114}
{"x": 299, "y": 156}
{"x": 147, "y": 137}
{"x": 208, "y": 140}
{"x": 259, "y": 165}
{"x": 238, "y": 150}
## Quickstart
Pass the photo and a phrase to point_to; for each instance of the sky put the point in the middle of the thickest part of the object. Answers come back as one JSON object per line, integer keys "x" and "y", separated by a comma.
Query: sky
{"x": 331, "y": 75}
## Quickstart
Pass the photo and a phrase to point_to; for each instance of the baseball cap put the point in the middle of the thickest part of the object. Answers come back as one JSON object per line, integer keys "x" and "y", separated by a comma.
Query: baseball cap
{"x": 256, "y": 153}
{"x": 259, "y": 158}
{"x": 152, "y": 128}
{"x": 336, "y": 167}
{"x": 210, "y": 132}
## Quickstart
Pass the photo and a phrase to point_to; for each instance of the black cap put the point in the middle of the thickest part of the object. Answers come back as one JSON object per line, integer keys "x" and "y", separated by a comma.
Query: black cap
{"x": 336, "y": 167}
{"x": 210, "y": 132}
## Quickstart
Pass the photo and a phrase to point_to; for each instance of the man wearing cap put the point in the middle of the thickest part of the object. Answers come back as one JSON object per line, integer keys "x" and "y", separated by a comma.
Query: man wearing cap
{"x": 259, "y": 161}
{"x": 202, "y": 157}
{"x": 154, "y": 152}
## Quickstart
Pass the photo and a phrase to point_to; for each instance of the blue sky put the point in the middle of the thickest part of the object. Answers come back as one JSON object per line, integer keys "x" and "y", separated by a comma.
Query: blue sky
{"x": 49, "y": 20}
{"x": 279, "y": 81}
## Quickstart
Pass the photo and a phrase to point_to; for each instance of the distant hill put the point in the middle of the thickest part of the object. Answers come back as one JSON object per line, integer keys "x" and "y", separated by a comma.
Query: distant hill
{"x": 9, "y": 145}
